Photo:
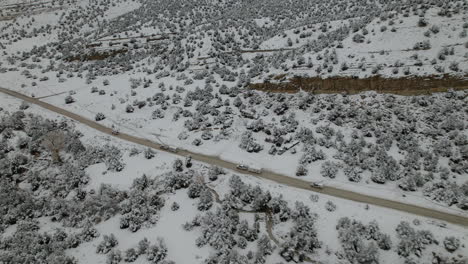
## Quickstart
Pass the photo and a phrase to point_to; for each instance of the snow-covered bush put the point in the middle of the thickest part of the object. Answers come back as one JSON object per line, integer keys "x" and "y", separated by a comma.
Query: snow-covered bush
{"x": 302, "y": 238}
{"x": 301, "y": 170}
{"x": 422, "y": 22}
{"x": 218, "y": 228}
{"x": 353, "y": 235}
{"x": 157, "y": 253}
{"x": 330, "y": 206}
{"x": 129, "y": 109}
{"x": 249, "y": 143}
{"x": 206, "y": 200}
{"x": 131, "y": 255}
{"x": 108, "y": 243}
{"x": 358, "y": 38}
{"x": 69, "y": 99}
{"x": 329, "y": 169}
{"x": 412, "y": 241}
{"x": 99, "y": 117}
{"x": 114, "y": 257}
{"x": 141, "y": 207}
{"x": 214, "y": 172}
{"x": 451, "y": 243}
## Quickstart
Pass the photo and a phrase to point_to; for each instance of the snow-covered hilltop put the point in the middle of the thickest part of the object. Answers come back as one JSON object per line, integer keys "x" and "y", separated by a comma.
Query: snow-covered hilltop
{"x": 242, "y": 81}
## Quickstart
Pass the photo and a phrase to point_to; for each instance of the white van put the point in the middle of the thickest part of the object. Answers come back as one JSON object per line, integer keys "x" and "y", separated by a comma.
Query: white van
{"x": 317, "y": 185}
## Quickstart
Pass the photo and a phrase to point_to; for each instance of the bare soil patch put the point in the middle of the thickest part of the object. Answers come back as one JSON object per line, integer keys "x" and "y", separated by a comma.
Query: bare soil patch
{"x": 414, "y": 85}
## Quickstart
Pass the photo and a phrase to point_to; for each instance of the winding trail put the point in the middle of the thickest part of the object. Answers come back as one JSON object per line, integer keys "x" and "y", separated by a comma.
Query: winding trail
{"x": 457, "y": 219}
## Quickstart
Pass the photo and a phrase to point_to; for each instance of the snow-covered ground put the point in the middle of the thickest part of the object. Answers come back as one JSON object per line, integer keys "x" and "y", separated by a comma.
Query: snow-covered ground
{"x": 206, "y": 41}
{"x": 181, "y": 243}
{"x": 166, "y": 131}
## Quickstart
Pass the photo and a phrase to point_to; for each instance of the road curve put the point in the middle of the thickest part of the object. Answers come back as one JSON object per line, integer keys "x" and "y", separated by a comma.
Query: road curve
{"x": 269, "y": 175}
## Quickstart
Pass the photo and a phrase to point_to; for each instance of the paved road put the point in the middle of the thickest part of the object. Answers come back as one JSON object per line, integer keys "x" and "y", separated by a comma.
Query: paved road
{"x": 269, "y": 175}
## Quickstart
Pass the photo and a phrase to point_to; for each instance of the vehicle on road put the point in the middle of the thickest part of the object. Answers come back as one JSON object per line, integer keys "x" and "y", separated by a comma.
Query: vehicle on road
{"x": 249, "y": 169}
{"x": 169, "y": 148}
{"x": 255, "y": 170}
{"x": 242, "y": 167}
{"x": 115, "y": 132}
{"x": 317, "y": 185}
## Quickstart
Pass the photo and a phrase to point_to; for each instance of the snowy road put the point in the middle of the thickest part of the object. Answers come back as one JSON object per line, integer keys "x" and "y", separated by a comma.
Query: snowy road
{"x": 278, "y": 178}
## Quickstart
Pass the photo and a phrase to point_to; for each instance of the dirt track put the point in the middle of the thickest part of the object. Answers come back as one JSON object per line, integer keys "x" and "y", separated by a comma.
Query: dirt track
{"x": 278, "y": 178}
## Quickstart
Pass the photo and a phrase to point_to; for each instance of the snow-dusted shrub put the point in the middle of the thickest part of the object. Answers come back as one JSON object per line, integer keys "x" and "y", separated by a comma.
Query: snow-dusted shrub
{"x": 178, "y": 165}
{"x": 149, "y": 153}
{"x": 280, "y": 108}
{"x": 131, "y": 255}
{"x": 406, "y": 70}
{"x": 301, "y": 170}
{"x": 88, "y": 233}
{"x": 99, "y": 117}
{"x": 175, "y": 206}
{"x": 463, "y": 34}
{"x": 454, "y": 66}
{"x": 412, "y": 241}
{"x": 129, "y": 109}
{"x": 434, "y": 29}
{"x": 227, "y": 256}
{"x": 314, "y": 198}
{"x": 69, "y": 99}
{"x": 353, "y": 235}
{"x": 384, "y": 242}
{"x": 143, "y": 246}
{"x": 451, "y": 243}
{"x": 243, "y": 230}
{"x": 249, "y": 143}
{"x": 110, "y": 155}
{"x": 141, "y": 207}
{"x": 352, "y": 173}
{"x": 422, "y": 22}
{"x": 218, "y": 228}
{"x": 178, "y": 180}
{"x": 24, "y": 105}
{"x": 329, "y": 169}
{"x": 114, "y": 257}
{"x": 424, "y": 45}
{"x": 197, "y": 142}
{"x": 264, "y": 246}
{"x": 27, "y": 244}
{"x": 439, "y": 68}
{"x": 214, "y": 172}
{"x": 108, "y": 243}
{"x": 157, "y": 114}
{"x": 344, "y": 66}
{"x": 157, "y": 253}
{"x": 311, "y": 154}
{"x": 358, "y": 38}
{"x": 195, "y": 189}
{"x": 443, "y": 191}
{"x": 330, "y": 206}
{"x": 302, "y": 237}
{"x": 207, "y": 135}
